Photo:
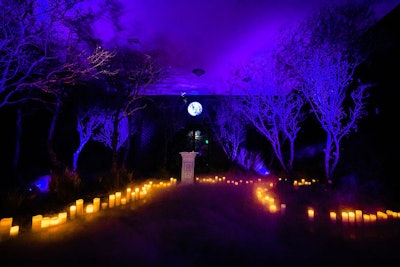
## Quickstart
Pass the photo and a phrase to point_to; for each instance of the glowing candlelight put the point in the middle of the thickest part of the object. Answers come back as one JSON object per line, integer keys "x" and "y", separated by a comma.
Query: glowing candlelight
{"x": 123, "y": 201}
{"x": 345, "y": 217}
{"x": 272, "y": 208}
{"x": 96, "y": 204}
{"x": 62, "y": 216}
{"x": 14, "y": 230}
{"x": 352, "y": 217}
{"x": 111, "y": 201}
{"x": 117, "y": 198}
{"x": 332, "y": 216}
{"x": 89, "y": 208}
{"x": 79, "y": 206}
{"x": 45, "y": 222}
{"x": 373, "y": 218}
{"x": 104, "y": 205}
{"x": 37, "y": 222}
{"x": 366, "y": 218}
{"x": 5, "y": 226}
{"x": 128, "y": 194}
{"x": 311, "y": 213}
{"x": 72, "y": 211}
{"x": 54, "y": 221}
{"x": 359, "y": 217}
{"x": 137, "y": 193}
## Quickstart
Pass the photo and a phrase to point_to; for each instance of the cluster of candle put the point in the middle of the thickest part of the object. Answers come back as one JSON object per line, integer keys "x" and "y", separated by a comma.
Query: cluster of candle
{"x": 80, "y": 208}
{"x": 352, "y": 217}
{"x": 218, "y": 179}
{"x": 7, "y": 228}
{"x": 267, "y": 199}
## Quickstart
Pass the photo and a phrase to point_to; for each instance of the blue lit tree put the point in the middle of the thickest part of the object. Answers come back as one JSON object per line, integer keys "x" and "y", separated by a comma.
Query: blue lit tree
{"x": 272, "y": 106}
{"x": 41, "y": 54}
{"x": 323, "y": 54}
{"x": 228, "y": 126}
{"x": 127, "y": 95}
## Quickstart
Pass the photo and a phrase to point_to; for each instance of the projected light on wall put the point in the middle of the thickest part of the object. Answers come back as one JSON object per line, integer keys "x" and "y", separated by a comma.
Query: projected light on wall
{"x": 195, "y": 109}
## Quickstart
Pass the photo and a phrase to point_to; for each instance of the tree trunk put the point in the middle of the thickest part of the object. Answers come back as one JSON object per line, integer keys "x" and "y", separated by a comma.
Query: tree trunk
{"x": 50, "y": 138}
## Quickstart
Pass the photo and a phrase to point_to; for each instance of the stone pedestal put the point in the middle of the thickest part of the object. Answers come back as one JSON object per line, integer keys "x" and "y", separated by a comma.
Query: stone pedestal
{"x": 187, "y": 172}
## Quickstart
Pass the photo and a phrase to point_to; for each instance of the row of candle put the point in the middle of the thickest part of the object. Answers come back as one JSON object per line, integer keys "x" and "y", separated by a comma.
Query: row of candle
{"x": 223, "y": 179}
{"x": 116, "y": 199}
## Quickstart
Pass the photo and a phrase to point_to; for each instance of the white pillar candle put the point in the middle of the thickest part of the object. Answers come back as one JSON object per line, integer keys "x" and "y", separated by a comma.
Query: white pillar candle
{"x": 352, "y": 217}
{"x": 72, "y": 211}
{"x": 45, "y": 222}
{"x": 79, "y": 206}
{"x": 54, "y": 221}
{"x": 96, "y": 204}
{"x": 366, "y": 218}
{"x": 332, "y": 216}
{"x": 104, "y": 205}
{"x": 359, "y": 217}
{"x": 62, "y": 216}
{"x": 123, "y": 201}
{"x": 128, "y": 194}
{"x": 37, "y": 222}
{"x": 310, "y": 213}
{"x": 14, "y": 230}
{"x": 89, "y": 209}
{"x": 111, "y": 201}
{"x": 117, "y": 198}
{"x": 345, "y": 217}
{"x": 5, "y": 226}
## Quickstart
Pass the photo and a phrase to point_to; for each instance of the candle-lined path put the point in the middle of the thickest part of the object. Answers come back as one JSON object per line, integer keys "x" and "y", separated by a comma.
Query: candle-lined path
{"x": 81, "y": 209}
{"x": 202, "y": 224}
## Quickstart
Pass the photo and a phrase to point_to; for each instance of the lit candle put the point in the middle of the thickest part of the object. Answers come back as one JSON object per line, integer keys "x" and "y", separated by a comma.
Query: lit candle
{"x": 128, "y": 194}
{"x": 345, "y": 217}
{"x": 96, "y": 204}
{"x": 5, "y": 226}
{"x": 62, "y": 216}
{"x": 79, "y": 206}
{"x": 54, "y": 221}
{"x": 359, "y": 217}
{"x": 372, "y": 218}
{"x": 366, "y": 218}
{"x": 45, "y": 222}
{"x": 352, "y": 217}
{"x": 104, "y": 205}
{"x": 332, "y": 216}
{"x": 137, "y": 193}
{"x": 123, "y": 201}
{"x": 272, "y": 208}
{"x": 89, "y": 208}
{"x": 14, "y": 230}
{"x": 72, "y": 211}
{"x": 37, "y": 222}
{"x": 111, "y": 201}
{"x": 310, "y": 212}
{"x": 117, "y": 198}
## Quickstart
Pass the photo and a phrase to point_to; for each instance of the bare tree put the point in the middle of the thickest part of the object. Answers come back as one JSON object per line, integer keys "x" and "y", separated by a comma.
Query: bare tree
{"x": 323, "y": 54}
{"x": 127, "y": 93}
{"x": 88, "y": 121}
{"x": 228, "y": 126}
{"x": 275, "y": 109}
